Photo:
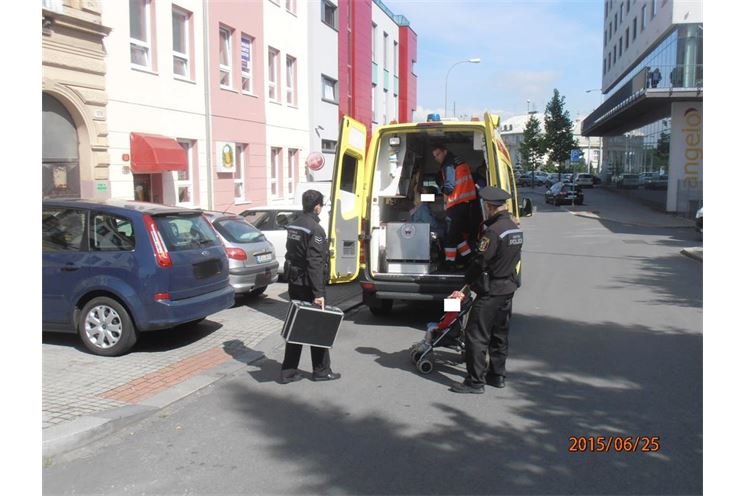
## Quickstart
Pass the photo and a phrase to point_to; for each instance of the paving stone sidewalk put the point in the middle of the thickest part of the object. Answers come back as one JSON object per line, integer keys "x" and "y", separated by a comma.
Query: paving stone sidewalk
{"x": 77, "y": 384}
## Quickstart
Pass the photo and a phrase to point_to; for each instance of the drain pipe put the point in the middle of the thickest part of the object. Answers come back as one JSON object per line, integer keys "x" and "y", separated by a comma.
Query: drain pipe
{"x": 207, "y": 105}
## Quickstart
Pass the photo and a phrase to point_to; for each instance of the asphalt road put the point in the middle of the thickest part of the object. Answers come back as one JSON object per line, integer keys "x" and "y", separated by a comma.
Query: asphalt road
{"x": 606, "y": 341}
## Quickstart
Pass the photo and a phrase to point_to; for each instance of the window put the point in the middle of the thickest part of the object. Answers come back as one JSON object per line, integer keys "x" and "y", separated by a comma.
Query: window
{"x": 620, "y": 16}
{"x": 610, "y": 30}
{"x": 111, "y": 233}
{"x": 292, "y": 161}
{"x": 276, "y": 164}
{"x": 329, "y": 88}
{"x": 139, "y": 32}
{"x": 605, "y": 38}
{"x": 374, "y": 45}
{"x": 634, "y": 37}
{"x": 239, "y": 173}
{"x": 395, "y": 58}
{"x": 247, "y": 64}
{"x": 654, "y": 9}
{"x": 291, "y": 67}
{"x": 604, "y": 66}
{"x": 644, "y": 16}
{"x": 615, "y": 23}
{"x": 328, "y": 146}
{"x": 226, "y": 57}
{"x": 628, "y": 5}
{"x": 62, "y": 229}
{"x": 328, "y": 14}
{"x": 374, "y": 114}
{"x": 627, "y": 38}
{"x": 291, "y": 6}
{"x": 620, "y": 47}
{"x": 184, "y": 183}
{"x": 386, "y": 64}
{"x": 273, "y": 74}
{"x": 180, "y": 19}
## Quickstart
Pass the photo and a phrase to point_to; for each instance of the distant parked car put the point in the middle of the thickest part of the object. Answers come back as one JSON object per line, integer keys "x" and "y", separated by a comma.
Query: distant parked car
{"x": 564, "y": 193}
{"x": 112, "y": 269}
{"x": 700, "y": 220}
{"x": 628, "y": 181}
{"x": 251, "y": 259}
{"x": 584, "y": 180}
{"x": 273, "y": 221}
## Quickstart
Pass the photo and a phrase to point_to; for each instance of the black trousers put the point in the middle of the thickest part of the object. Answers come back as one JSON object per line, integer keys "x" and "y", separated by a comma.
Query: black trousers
{"x": 487, "y": 334}
{"x": 320, "y": 357}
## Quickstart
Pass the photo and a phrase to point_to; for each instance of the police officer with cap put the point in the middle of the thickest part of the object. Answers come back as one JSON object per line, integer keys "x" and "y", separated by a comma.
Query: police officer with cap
{"x": 492, "y": 274}
{"x": 307, "y": 273}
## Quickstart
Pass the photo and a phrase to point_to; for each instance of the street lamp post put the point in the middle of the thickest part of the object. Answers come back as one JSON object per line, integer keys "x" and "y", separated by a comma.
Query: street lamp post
{"x": 470, "y": 61}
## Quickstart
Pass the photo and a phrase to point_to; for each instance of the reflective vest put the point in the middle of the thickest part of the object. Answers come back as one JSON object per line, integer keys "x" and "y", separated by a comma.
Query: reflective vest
{"x": 465, "y": 188}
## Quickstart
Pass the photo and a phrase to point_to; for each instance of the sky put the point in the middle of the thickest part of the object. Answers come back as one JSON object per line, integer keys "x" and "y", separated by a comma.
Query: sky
{"x": 527, "y": 48}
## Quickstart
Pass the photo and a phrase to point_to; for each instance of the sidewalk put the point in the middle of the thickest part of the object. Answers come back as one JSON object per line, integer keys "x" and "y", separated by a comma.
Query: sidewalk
{"x": 85, "y": 397}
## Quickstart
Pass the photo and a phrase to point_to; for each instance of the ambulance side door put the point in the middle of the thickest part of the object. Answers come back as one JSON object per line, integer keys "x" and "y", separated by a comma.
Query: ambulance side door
{"x": 503, "y": 175}
{"x": 347, "y": 202}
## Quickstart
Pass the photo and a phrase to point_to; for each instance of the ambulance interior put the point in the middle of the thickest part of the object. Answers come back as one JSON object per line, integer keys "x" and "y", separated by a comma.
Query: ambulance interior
{"x": 405, "y": 166}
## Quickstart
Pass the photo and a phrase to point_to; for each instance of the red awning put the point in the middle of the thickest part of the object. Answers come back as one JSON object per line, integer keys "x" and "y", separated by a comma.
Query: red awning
{"x": 152, "y": 153}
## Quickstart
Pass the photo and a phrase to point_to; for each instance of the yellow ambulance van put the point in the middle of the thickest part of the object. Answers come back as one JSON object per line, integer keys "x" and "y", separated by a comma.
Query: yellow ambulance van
{"x": 373, "y": 192}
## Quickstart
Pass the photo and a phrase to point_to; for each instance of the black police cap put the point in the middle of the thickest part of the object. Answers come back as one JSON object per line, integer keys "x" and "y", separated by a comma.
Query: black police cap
{"x": 494, "y": 194}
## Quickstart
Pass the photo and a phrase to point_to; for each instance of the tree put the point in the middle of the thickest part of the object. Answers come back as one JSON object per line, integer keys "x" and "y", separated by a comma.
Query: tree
{"x": 531, "y": 147}
{"x": 559, "y": 140}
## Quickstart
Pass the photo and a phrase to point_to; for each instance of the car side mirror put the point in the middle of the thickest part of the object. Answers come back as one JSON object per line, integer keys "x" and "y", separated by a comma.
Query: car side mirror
{"x": 527, "y": 208}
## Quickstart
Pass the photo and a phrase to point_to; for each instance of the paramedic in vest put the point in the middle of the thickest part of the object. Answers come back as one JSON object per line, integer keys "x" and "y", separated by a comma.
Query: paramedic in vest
{"x": 307, "y": 273}
{"x": 459, "y": 190}
{"x": 492, "y": 275}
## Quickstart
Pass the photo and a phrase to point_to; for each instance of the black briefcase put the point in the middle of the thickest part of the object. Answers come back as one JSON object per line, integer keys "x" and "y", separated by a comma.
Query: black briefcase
{"x": 306, "y": 323}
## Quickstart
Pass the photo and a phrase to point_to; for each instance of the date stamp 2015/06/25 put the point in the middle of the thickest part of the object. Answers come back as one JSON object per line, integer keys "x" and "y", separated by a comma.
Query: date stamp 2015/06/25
{"x": 614, "y": 443}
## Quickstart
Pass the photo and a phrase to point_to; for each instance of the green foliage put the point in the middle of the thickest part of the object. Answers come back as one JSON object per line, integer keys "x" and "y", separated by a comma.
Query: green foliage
{"x": 559, "y": 140}
{"x": 531, "y": 148}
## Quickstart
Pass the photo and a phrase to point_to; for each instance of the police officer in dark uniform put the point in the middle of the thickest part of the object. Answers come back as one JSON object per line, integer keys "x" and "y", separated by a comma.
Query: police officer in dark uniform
{"x": 307, "y": 273}
{"x": 492, "y": 275}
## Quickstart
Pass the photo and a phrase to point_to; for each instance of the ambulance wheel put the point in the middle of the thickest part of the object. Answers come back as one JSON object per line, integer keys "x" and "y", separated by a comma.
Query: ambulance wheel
{"x": 425, "y": 366}
{"x": 380, "y": 308}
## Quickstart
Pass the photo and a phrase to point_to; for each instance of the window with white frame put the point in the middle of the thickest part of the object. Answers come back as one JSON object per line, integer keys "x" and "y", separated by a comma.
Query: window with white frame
{"x": 184, "y": 181}
{"x": 654, "y": 9}
{"x": 386, "y": 64}
{"x": 247, "y": 64}
{"x": 374, "y": 114}
{"x": 273, "y": 74}
{"x": 226, "y": 57}
{"x": 644, "y": 16}
{"x": 291, "y": 6}
{"x": 374, "y": 44}
{"x": 180, "y": 20}
{"x": 239, "y": 172}
{"x": 291, "y": 68}
{"x": 328, "y": 14}
{"x": 395, "y": 58}
{"x": 292, "y": 161}
{"x": 275, "y": 166}
{"x": 139, "y": 33}
{"x": 329, "y": 89}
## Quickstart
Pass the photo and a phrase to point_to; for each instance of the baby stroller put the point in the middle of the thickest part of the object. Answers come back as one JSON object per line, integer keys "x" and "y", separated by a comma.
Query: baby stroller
{"x": 449, "y": 332}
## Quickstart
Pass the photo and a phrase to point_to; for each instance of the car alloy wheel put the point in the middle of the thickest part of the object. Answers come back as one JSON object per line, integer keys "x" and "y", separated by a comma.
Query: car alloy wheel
{"x": 106, "y": 328}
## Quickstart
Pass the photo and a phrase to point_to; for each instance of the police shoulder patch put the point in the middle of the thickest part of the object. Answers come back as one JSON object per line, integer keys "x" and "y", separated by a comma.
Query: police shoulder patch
{"x": 484, "y": 243}
{"x": 318, "y": 239}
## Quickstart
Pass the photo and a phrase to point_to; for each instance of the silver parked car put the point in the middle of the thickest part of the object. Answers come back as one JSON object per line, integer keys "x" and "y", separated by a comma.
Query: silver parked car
{"x": 252, "y": 262}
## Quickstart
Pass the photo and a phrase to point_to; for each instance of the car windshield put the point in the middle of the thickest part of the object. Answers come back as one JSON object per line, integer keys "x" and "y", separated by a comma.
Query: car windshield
{"x": 238, "y": 231}
{"x": 186, "y": 232}
{"x": 260, "y": 219}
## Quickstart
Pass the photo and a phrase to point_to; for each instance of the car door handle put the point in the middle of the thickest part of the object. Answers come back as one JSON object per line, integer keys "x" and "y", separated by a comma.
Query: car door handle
{"x": 69, "y": 268}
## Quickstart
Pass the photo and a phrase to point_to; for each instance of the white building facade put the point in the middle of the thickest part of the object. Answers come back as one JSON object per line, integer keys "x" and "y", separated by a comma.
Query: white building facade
{"x": 652, "y": 116}
{"x": 156, "y": 82}
{"x": 287, "y": 93}
{"x": 385, "y": 52}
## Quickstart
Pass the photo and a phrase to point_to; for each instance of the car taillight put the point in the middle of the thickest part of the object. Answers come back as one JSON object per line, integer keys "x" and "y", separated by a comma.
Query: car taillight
{"x": 162, "y": 296}
{"x": 236, "y": 254}
{"x": 159, "y": 247}
{"x": 368, "y": 286}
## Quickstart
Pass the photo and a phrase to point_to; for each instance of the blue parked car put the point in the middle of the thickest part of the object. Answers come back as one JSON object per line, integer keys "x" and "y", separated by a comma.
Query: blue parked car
{"x": 114, "y": 268}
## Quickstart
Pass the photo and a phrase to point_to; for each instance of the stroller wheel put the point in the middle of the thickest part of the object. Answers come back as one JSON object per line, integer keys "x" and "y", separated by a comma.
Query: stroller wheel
{"x": 416, "y": 355}
{"x": 425, "y": 366}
